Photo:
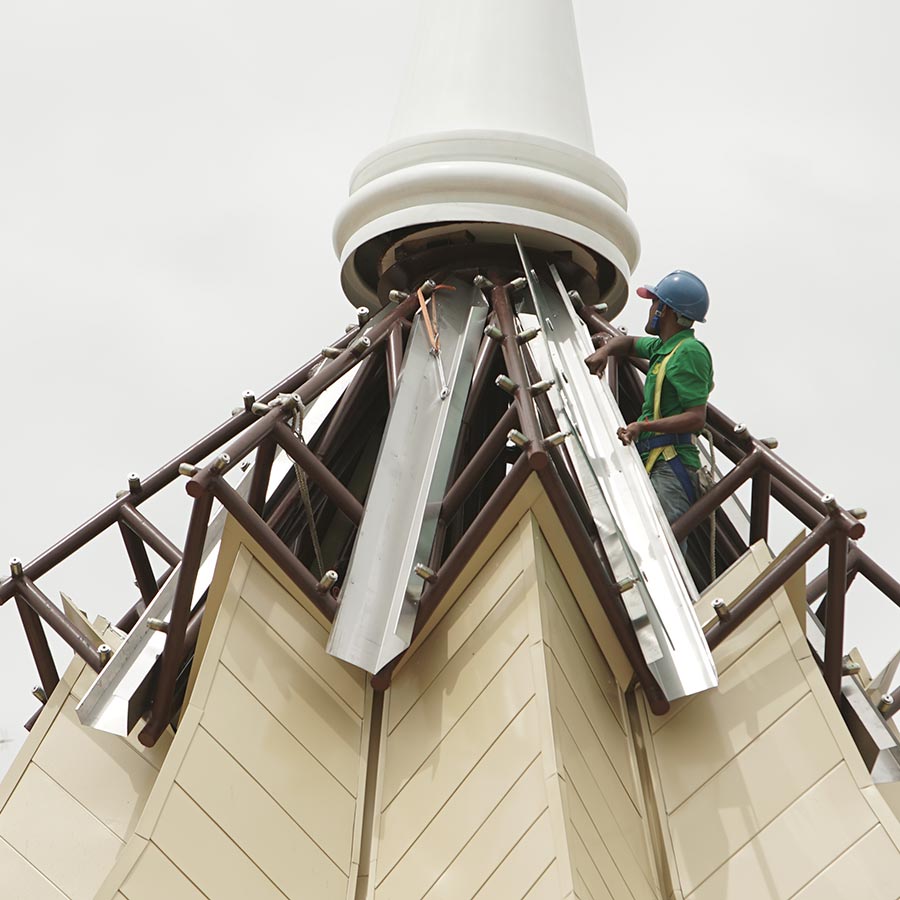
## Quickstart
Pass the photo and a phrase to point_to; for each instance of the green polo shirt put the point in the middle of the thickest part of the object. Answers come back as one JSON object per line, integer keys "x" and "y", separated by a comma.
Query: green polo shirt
{"x": 688, "y": 381}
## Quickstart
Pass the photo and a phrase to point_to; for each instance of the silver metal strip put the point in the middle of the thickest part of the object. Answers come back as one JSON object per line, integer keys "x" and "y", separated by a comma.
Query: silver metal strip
{"x": 381, "y": 593}
{"x": 631, "y": 524}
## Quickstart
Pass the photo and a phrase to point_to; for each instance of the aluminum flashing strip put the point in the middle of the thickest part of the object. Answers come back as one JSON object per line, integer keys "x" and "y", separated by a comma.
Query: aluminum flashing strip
{"x": 635, "y": 535}
{"x": 377, "y": 612}
{"x": 115, "y": 701}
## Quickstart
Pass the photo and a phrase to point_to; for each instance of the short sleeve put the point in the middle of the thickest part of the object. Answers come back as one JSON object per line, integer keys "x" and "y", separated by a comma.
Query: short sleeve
{"x": 645, "y": 347}
{"x": 690, "y": 373}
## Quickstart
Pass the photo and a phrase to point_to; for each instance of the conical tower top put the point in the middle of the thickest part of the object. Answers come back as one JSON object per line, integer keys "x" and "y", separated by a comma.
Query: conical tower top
{"x": 491, "y": 136}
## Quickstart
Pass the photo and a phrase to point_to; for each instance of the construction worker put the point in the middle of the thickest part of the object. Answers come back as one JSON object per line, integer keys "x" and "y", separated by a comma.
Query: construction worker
{"x": 678, "y": 384}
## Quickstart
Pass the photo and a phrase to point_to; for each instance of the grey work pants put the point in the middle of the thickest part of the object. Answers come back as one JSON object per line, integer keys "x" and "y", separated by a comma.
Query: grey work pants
{"x": 671, "y": 494}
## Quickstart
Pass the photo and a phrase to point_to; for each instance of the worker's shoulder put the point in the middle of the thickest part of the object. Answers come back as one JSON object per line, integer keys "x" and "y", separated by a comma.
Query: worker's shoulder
{"x": 693, "y": 351}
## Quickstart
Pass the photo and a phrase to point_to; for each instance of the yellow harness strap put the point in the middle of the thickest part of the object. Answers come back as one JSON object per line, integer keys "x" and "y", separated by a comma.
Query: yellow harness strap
{"x": 667, "y": 452}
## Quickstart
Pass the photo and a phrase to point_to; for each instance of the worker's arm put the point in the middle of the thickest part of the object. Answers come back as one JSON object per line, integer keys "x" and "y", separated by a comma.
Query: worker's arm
{"x": 622, "y": 345}
{"x": 690, "y": 420}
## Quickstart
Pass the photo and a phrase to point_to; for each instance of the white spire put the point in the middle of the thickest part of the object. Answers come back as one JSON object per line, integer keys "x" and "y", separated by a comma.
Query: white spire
{"x": 492, "y": 126}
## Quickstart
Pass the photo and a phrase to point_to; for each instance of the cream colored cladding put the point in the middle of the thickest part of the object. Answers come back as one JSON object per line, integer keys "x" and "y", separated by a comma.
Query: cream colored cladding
{"x": 71, "y": 799}
{"x": 261, "y": 794}
{"x": 762, "y": 793}
{"x": 505, "y": 766}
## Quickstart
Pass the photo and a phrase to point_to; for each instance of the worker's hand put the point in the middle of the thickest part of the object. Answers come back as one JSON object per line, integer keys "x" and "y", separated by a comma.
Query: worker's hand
{"x": 629, "y": 434}
{"x": 596, "y": 362}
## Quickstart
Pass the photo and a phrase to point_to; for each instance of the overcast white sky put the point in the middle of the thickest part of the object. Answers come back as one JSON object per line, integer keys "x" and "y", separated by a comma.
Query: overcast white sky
{"x": 169, "y": 174}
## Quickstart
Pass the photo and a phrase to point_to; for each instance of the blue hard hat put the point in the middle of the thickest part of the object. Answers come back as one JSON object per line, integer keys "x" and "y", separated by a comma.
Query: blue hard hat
{"x": 683, "y": 291}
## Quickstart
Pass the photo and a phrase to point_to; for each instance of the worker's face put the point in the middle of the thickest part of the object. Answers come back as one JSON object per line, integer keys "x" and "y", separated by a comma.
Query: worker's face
{"x": 652, "y": 326}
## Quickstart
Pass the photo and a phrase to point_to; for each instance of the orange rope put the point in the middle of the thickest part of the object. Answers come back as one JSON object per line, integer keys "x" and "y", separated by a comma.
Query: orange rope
{"x": 429, "y": 317}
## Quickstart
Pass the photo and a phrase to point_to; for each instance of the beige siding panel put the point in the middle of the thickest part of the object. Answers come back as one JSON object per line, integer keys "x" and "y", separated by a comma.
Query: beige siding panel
{"x": 869, "y": 870}
{"x": 305, "y": 636}
{"x": 758, "y": 689}
{"x": 206, "y": 855}
{"x": 595, "y": 885}
{"x": 22, "y": 881}
{"x": 596, "y": 732}
{"x": 466, "y": 811}
{"x": 487, "y": 590}
{"x": 546, "y": 887}
{"x": 568, "y": 630}
{"x": 485, "y": 727}
{"x": 58, "y": 835}
{"x": 797, "y": 845}
{"x": 501, "y": 831}
{"x": 446, "y": 699}
{"x": 624, "y": 841}
{"x": 598, "y": 855}
{"x": 256, "y": 823}
{"x": 523, "y": 867}
{"x": 155, "y": 876}
{"x": 756, "y": 786}
{"x": 101, "y": 771}
{"x": 295, "y": 779}
{"x": 294, "y": 694}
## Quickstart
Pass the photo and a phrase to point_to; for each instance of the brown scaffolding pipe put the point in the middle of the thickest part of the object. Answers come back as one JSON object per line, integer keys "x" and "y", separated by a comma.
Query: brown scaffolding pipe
{"x": 834, "y": 617}
{"x": 393, "y": 354}
{"x": 606, "y": 593}
{"x": 819, "y": 585}
{"x": 716, "y": 495}
{"x": 150, "y": 534}
{"x": 515, "y": 366}
{"x": 40, "y": 649}
{"x": 772, "y": 579}
{"x": 129, "y": 618}
{"x": 254, "y": 525}
{"x": 484, "y": 359}
{"x": 162, "y": 477}
{"x": 346, "y": 405}
{"x": 173, "y": 650}
{"x": 761, "y": 490}
{"x": 262, "y": 469}
{"x": 887, "y": 584}
{"x": 319, "y": 472}
{"x": 26, "y": 590}
{"x": 489, "y": 450}
{"x": 140, "y": 564}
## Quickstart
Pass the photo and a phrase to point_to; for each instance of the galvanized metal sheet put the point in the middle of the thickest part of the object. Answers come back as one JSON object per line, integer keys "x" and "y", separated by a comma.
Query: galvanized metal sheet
{"x": 381, "y": 592}
{"x": 635, "y": 534}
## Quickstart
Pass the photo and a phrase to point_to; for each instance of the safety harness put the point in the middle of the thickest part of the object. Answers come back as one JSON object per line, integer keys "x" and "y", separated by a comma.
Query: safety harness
{"x": 664, "y": 444}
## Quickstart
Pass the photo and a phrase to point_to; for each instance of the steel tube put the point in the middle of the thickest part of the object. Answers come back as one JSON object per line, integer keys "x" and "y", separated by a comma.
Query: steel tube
{"x": 515, "y": 366}
{"x": 40, "y": 649}
{"x": 606, "y": 593}
{"x": 319, "y": 472}
{"x": 57, "y": 620}
{"x": 759, "y": 506}
{"x": 887, "y": 584}
{"x": 393, "y": 354}
{"x": 254, "y": 525}
{"x": 150, "y": 535}
{"x": 475, "y": 469}
{"x": 773, "y": 578}
{"x": 716, "y": 495}
{"x": 162, "y": 477}
{"x": 819, "y": 585}
{"x": 476, "y": 533}
{"x": 834, "y": 619}
{"x": 140, "y": 563}
{"x": 347, "y": 405}
{"x": 483, "y": 362}
{"x": 173, "y": 651}
{"x": 262, "y": 469}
